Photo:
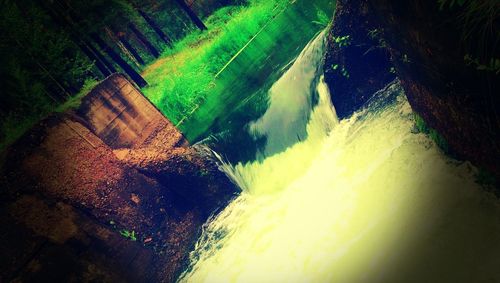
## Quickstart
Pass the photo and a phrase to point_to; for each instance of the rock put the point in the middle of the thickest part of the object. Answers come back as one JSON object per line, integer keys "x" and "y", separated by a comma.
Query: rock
{"x": 452, "y": 96}
{"x": 427, "y": 50}
{"x": 356, "y": 62}
{"x": 193, "y": 170}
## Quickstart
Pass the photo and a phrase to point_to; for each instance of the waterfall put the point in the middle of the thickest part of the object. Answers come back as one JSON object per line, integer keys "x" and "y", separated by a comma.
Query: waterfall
{"x": 365, "y": 199}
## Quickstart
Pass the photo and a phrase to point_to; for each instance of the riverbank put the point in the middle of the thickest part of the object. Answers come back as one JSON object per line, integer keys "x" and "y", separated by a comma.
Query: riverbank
{"x": 184, "y": 76}
{"x": 455, "y": 99}
{"x": 109, "y": 192}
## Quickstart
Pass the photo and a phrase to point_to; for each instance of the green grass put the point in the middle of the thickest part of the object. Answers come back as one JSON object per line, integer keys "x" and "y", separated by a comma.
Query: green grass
{"x": 183, "y": 77}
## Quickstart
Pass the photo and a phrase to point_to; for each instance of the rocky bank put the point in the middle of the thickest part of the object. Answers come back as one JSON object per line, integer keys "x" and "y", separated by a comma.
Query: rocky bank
{"x": 110, "y": 192}
{"x": 444, "y": 57}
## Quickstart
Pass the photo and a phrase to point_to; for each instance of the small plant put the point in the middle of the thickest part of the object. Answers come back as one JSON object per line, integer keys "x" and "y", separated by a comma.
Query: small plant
{"x": 343, "y": 71}
{"x": 392, "y": 70}
{"x": 476, "y": 20}
{"x": 204, "y": 172}
{"x": 342, "y": 41}
{"x": 492, "y": 66}
{"x": 129, "y": 235}
{"x": 376, "y": 35}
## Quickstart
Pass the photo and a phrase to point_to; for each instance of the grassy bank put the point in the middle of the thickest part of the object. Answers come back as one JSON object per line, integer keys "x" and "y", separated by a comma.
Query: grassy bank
{"x": 182, "y": 78}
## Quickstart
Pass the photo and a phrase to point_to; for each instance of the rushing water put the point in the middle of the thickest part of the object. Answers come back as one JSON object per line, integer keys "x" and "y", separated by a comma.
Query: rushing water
{"x": 366, "y": 199}
{"x": 240, "y": 93}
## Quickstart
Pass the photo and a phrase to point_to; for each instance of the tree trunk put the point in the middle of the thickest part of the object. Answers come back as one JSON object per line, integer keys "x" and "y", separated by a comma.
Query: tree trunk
{"x": 191, "y": 15}
{"x": 56, "y": 93}
{"x": 114, "y": 37}
{"x": 59, "y": 85}
{"x": 98, "y": 63}
{"x": 131, "y": 49}
{"x": 101, "y": 63}
{"x": 52, "y": 96}
{"x": 101, "y": 57}
{"x": 136, "y": 77}
{"x": 142, "y": 38}
{"x": 155, "y": 27}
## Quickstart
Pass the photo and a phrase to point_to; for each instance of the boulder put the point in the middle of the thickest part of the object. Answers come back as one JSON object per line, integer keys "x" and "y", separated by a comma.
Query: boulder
{"x": 357, "y": 63}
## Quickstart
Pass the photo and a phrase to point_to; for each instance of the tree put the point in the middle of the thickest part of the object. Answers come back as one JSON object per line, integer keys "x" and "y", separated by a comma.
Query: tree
{"x": 142, "y": 38}
{"x": 130, "y": 53}
{"x": 134, "y": 75}
{"x": 82, "y": 25}
{"x": 197, "y": 21}
{"x": 126, "y": 44}
{"x": 85, "y": 46}
{"x": 155, "y": 27}
{"x": 101, "y": 58}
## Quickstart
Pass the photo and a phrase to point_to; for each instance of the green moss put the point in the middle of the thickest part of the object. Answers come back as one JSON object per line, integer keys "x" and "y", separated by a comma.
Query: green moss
{"x": 434, "y": 135}
{"x": 419, "y": 123}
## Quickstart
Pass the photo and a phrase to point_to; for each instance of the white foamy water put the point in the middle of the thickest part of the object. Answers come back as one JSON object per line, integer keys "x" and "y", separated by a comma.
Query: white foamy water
{"x": 360, "y": 200}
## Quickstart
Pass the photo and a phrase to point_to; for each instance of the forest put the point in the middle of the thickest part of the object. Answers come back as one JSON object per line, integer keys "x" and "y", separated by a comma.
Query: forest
{"x": 250, "y": 141}
{"x": 54, "y": 52}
